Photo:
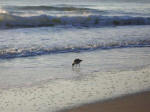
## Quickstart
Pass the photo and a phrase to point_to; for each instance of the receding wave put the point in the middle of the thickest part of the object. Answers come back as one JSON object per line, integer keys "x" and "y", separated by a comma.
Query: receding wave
{"x": 35, "y": 51}
{"x": 11, "y": 21}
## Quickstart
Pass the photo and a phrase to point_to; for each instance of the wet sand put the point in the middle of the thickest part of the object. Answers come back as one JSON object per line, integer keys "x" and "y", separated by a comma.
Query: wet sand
{"x": 60, "y": 94}
{"x": 133, "y": 103}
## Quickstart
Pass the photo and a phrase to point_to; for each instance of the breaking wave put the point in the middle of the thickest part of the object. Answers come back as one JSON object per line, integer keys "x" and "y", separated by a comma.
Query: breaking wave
{"x": 11, "y": 21}
{"x": 49, "y": 8}
{"x": 35, "y": 51}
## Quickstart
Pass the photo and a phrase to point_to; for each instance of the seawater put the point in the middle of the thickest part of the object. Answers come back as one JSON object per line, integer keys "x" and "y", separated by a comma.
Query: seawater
{"x": 39, "y": 41}
{"x": 127, "y": 73}
{"x": 64, "y": 45}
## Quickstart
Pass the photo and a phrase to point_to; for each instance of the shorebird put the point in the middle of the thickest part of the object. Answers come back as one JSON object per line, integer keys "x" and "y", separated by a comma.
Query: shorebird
{"x": 76, "y": 62}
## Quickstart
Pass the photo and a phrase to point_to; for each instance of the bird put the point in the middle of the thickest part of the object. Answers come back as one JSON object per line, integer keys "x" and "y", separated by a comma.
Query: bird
{"x": 76, "y": 62}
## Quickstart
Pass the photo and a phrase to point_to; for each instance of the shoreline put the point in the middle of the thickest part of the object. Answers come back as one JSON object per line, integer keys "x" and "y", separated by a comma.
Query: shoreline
{"x": 69, "y": 95}
{"x": 138, "y": 102}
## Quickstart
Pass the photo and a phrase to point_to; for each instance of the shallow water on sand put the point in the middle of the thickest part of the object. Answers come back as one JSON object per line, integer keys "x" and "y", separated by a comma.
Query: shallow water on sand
{"x": 97, "y": 79}
{"x": 34, "y": 70}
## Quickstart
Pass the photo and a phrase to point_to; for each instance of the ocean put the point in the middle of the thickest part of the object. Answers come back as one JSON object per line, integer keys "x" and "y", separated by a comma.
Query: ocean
{"x": 39, "y": 39}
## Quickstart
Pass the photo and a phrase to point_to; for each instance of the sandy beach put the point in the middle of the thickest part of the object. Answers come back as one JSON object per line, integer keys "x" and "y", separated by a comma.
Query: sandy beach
{"x": 133, "y": 103}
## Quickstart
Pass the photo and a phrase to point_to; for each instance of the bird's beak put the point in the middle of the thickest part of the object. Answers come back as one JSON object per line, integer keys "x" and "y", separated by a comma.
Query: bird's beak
{"x": 72, "y": 64}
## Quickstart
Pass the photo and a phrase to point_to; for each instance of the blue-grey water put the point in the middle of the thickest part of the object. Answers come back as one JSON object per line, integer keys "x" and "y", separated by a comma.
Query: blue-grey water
{"x": 39, "y": 40}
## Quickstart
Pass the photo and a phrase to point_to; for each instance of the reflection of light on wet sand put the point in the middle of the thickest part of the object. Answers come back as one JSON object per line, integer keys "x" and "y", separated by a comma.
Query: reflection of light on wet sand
{"x": 60, "y": 93}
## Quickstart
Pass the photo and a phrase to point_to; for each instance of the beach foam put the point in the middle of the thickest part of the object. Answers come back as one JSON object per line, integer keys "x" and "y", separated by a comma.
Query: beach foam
{"x": 27, "y": 43}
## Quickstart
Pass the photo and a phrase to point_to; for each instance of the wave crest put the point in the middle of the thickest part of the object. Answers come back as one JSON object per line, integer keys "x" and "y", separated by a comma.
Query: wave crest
{"x": 49, "y": 8}
{"x": 11, "y": 21}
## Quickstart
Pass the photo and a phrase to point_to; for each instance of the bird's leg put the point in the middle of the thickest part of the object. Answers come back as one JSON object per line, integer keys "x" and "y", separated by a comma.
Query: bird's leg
{"x": 76, "y": 65}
